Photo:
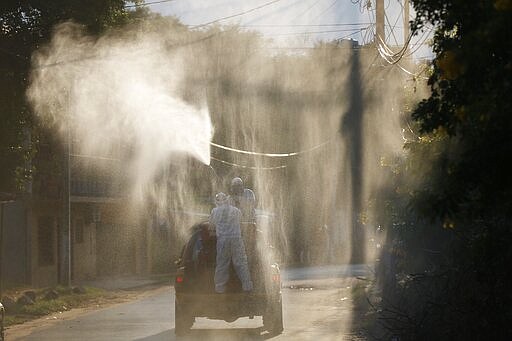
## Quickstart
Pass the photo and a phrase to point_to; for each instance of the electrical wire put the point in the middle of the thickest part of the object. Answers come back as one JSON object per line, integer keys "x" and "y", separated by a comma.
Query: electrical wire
{"x": 351, "y": 34}
{"x": 96, "y": 157}
{"x": 388, "y": 55}
{"x": 77, "y": 60}
{"x": 366, "y": 5}
{"x": 386, "y": 52}
{"x": 392, "y": 28}
{"x": 247, "y": 167}
{"x": 276, "y": 155}
{"x": 235, "y": 15}
{"x": 414, "y": 75}
{"x": 148, "y": 3}
{"x": 328, "y": 8}
{"x": 381, "y": 51}
{"x": 308, "y": 25}
{"x": 421, "y": 42}
{"x": 316, "y": 32}
{"x": 307, "y": 10}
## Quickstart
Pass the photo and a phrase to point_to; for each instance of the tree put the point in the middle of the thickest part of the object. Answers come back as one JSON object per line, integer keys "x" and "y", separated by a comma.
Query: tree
{"x": 24, "y": 27}
{"x": 471, "y": 102}
{"x": 457, "y": 180}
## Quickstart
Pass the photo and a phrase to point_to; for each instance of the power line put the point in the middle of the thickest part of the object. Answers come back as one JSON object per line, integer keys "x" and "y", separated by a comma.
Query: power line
{"x": 148, "y": 3}
{"x": 235, "y": 15}
{"x": 247, "y": 167}
{"x": 392, "y": 28}
{"x": 366, "y": 4}
{"x": 307, "y": 10}
{"x": 317, "y": 32}
{"x": 308, "y": 25}
{"x": 328, "y": 8}
{"x": 276, "y": 155}
{"x": 351, "y": 34}
{"x": 91, "y": 57}
{"x": 277, "y": 12}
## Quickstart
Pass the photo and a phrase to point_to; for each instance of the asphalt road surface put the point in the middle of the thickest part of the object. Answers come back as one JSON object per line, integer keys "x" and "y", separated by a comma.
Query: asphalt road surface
{"x": 317, "y": 305}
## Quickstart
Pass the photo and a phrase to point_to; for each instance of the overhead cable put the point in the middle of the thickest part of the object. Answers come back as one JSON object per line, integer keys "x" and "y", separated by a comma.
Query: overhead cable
{"x": 351, "y": 34}
{"x": 147, "y": 3}
{"x": 91, "y": 57}
{"x": 328, "y": 8}
{"x": 97, "y": 157}
{"x": 276, "y": 155}
{"x": 386, "y": 52}
{"x": 307, "y": 25}
{"x": 385, "y": 56}
{"x": 414, "y": 75}
{"x": 317, "y": 32}
{"x": 235, "y": 15}
{"x": 392, "y": 27}
{"x": 247, "y": 167}
{"x": 307, "y": 10}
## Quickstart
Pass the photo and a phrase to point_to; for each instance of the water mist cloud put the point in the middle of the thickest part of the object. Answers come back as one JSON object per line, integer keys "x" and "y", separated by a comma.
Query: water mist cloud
{"x": 121, "y": 89}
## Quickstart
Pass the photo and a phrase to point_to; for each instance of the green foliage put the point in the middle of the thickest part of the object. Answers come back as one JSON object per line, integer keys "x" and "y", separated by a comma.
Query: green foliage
{"x": 451, "y": 220}
{"x": 24, "y": 27}
{"x": 471, "y": 86}
{"x": 66, "y": 301}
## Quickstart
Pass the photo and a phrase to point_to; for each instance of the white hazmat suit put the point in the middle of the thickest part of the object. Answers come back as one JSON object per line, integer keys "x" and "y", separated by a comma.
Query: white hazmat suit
{"x": 244, "y": 199}
{"x": 230, "y": 246}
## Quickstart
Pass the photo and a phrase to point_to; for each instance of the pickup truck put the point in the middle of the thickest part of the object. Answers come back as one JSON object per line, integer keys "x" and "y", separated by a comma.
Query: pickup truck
{"x": 195, "y": 287}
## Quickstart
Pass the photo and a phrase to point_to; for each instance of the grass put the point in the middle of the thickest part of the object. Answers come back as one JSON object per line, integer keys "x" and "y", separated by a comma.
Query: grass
{"x": 66, "y": 300}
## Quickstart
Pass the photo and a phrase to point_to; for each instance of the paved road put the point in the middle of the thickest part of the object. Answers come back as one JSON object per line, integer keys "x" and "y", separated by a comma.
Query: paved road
{"x": 316, "y": 305}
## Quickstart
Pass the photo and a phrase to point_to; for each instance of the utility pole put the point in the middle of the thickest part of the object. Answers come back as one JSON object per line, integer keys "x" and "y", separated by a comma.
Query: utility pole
{"x": 1, "y": 244}
{"x": 380, "y": 35}
{"x": 4, "y": 199}
{"x": 65, "y": 230}
{"x": 406, "y": 21}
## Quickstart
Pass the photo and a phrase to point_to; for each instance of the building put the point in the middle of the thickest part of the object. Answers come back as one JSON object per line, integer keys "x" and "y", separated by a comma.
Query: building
{"x": 108, "y": 236}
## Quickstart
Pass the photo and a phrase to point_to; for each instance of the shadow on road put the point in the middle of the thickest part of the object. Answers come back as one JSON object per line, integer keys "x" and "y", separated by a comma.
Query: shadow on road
{"x": 212, "y": 334}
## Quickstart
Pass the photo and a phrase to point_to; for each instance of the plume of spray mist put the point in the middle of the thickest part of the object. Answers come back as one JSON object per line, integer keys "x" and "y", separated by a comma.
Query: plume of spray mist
{"x": 121, "y": 92}
{"x": 129, "y": 88}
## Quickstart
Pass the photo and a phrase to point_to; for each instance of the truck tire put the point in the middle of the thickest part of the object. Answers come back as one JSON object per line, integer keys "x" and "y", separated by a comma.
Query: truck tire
{"x": 183, "y": 320}
{"x": 273, "y": 317}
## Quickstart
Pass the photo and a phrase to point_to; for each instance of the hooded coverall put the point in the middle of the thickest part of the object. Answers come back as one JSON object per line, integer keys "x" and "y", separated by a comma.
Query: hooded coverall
{"x": 230, "y": 247}
{"x": 246, "y": 202}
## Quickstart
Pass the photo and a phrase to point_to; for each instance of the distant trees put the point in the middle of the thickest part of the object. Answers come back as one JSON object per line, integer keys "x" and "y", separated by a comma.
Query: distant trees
{"x": 259, "y": 98}
{"x": 452, "y": 217}
{"x": 24, "y": 27}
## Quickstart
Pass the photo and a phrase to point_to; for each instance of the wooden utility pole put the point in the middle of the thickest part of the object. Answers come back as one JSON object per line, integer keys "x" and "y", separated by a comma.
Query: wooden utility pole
{"x": 4, "y": 198}
{"x": 406, "y": 21}
{"x": 64, "y": 230}
{"x": 380, "y": 35}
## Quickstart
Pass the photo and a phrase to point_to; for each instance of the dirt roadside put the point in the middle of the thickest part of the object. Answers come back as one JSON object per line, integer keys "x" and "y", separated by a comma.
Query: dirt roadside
{"x": 117, "y": 297}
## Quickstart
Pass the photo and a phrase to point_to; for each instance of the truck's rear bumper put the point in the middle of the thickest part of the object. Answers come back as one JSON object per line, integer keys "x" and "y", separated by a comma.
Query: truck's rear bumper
{"x": 223, "y": 306}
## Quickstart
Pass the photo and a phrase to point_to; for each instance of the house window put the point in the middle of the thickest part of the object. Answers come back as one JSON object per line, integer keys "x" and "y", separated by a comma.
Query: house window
{"x": 79, "y": 231}
{"x": 46, "y": 241}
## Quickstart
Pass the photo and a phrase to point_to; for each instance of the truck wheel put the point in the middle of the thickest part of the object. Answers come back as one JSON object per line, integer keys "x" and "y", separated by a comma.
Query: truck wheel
{"x": 273, "y": 317}
{"x": 183, "y": 320}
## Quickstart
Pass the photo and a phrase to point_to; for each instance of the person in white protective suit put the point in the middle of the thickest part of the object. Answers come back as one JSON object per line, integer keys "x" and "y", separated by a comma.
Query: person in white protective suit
{"x": 244, "y": 199}
{"x": 230, "y": 246}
